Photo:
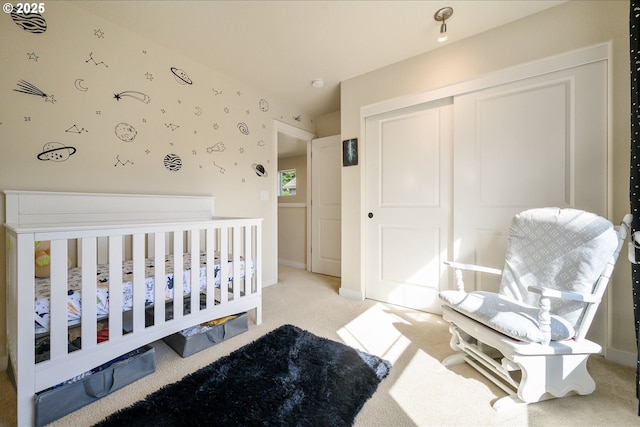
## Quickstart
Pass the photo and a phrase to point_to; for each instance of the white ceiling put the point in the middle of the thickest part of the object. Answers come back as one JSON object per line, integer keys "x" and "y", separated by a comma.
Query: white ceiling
{"x": 280, "y": 46}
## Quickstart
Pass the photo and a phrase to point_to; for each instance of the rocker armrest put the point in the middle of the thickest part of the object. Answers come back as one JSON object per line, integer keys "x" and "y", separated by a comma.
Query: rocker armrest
{"x": 573, "y": 296}
{"x": 472, "y": 267}
{"x": 458, "y": 266}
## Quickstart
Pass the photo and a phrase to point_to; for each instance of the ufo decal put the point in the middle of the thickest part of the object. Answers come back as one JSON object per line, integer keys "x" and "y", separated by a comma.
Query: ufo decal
{"x": 56, "y": 152}
{"x": 259, "y": 170}
{"x": 181, "y": 76}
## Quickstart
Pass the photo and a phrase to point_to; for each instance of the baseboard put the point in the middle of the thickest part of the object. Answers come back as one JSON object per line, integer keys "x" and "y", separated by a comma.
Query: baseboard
{"x": 351, "y": 294}
{"x": 620, "y": 357}
{"x": 294, "y": 264}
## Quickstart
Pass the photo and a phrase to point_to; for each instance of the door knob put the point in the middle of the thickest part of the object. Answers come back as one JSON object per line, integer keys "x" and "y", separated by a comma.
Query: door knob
{"x": 370, "y": 215}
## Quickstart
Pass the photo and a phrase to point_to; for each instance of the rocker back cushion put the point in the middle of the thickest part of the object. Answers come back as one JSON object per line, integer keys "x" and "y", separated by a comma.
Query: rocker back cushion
{"x": 564, "y": 249}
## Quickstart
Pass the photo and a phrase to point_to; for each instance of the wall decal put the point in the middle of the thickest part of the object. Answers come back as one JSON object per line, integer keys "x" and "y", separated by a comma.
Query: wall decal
{"x": 261, "y": 143}
{"x": 75, "y": 129}
{"x": 78, "y": 85}
{"x": 264, "y": 105}
{"x": 220, "y": 168}
{"x": 149, "y": 76}
{"x": 215, "y": 126}
{"x": 98, "y": 33}
{"x": 121, "y": 163}
{"x": 171, "y": 126}
{"x": 30, "y": 89}
{"x": 259, "y": 170}
{"x": 31, "y": 22}
{"x": 243, "y": 128}
{"x": 32, "y": 56}
{"x": 219, "y": 148}
{"x": 94, "y": 61}
{"x": 126, "y": 132}
{"x": 172, "y": 162}
{"x": 181, "y": 76}
{"x": 216, "y": 92}
{"x": 227, "y": 110}
{"x": 56, "y": 152}
{"x": 27, "y": 118}
{"x": 142, "y": 97}
{"x": 198, "y": 111}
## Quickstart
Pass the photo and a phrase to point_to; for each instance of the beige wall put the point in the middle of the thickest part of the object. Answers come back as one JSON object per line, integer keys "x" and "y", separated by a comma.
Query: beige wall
{"x": 220, "y": 128}
{"x": 572, "y": 25}
{"x": 292, "y": 216}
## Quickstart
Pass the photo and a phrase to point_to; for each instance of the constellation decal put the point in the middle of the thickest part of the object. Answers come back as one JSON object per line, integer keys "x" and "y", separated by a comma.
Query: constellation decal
{"x": 172, "y": 162}
{"x": 216, "y": 92}
{"x": 56, "y": 152}
{"x": 32, "y": 56}
{"x": 98, "y": 33}
{"x": 243, "y": 128}
{"x": 217, "y": 148}
{"x": 181, "y": 76}
{"x": 126, "y": 132}
{"x": 171, "y": 126}
{"x": 220, "y": 168}
{"x": 142, "y": 97}
{"x": 121, "y": 163}
{"x": 94, "y": 61}
{"x": 31, "y": 22}
{"x": 264, "y": 105}
{"x": 75, "y": 129}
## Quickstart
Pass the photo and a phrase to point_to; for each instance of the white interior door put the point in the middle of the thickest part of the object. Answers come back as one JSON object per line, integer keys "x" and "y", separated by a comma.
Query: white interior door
{"x": 408, "y": 202}
{"x": 326, "y": 158}
{"x": 537, "y": 142}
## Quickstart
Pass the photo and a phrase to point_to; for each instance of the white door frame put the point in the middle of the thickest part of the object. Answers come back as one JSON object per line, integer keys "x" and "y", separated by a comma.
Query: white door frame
{"x": 287, "y": 129}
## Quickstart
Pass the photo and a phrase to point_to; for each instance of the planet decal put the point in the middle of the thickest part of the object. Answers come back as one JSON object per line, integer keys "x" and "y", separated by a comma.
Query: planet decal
{"x": 181, "y": 76}
{"x": 56, "y": 152}
{"x": 172, "y": 162}
{"x": 243, "y": 128}
{"x": 259, "y": 170}
{"x": 31, "y": 22}
{"x": 126, "y": 132}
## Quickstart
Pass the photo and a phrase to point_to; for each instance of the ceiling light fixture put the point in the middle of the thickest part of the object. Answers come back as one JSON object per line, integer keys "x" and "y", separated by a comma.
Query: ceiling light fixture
{"x": 317, "y": 83}
{"x": 441, "y": 16}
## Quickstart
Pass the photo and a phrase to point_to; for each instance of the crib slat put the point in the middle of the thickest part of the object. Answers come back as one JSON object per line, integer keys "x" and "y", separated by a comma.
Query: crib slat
{"x": 159, "y": 292}
{"x": 248, "y": 258}
{"x": 115, "y": 282}
{"x": 88, "y": 292}
{"x": 58, "y": 304}
{"x": 224, "y": 265}
{"x": 236, "y": 245}
{"x": 195, "y": 271}
{"x": 138, "y": 282}
{"x": 210, "y": 246}
{"x": 178, "y": 288}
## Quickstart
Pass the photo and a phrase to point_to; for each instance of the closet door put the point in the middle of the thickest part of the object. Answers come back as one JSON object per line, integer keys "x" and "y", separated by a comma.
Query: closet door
{"x": 531, "y": 143}
{"x": 408, "y": 204}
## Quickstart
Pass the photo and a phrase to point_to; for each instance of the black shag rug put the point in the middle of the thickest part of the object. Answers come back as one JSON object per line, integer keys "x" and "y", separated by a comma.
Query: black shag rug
{"x": 288, "y": 377}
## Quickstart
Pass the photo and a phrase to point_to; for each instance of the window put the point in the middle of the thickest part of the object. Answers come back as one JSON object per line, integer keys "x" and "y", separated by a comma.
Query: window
{"x": 287, "y": 179}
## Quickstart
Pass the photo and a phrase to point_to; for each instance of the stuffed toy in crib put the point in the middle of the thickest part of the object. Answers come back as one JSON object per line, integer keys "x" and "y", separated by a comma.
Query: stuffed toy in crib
{"x": 43, "y": 259}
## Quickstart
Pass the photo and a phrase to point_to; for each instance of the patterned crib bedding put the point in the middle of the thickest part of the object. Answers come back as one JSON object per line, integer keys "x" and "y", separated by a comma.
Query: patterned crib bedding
{"x": 74, "y": 297}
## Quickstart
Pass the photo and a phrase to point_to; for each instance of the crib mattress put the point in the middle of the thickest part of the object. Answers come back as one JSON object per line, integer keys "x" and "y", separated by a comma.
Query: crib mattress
{"x": 74, "y": 297}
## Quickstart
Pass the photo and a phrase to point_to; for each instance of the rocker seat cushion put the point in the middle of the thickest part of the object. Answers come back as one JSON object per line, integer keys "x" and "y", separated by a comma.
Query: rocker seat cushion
{"x": 510, "y": 317}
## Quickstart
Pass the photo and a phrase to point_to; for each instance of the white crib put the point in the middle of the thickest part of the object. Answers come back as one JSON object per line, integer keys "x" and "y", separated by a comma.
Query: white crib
{"x": 93, "y": 229}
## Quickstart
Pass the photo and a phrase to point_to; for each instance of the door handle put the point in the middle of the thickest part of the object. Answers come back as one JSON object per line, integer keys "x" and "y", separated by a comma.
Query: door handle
{"x": 370, "y": 215}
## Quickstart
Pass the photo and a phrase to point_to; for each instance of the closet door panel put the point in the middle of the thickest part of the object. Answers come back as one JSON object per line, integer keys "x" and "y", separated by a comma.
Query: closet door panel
{"x": 532, "y": 143}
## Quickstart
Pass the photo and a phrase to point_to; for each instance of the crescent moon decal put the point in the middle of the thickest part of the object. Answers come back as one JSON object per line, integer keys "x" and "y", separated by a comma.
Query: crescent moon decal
{"x": 198, "y": 111}
{"x": 79, "y": 85}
